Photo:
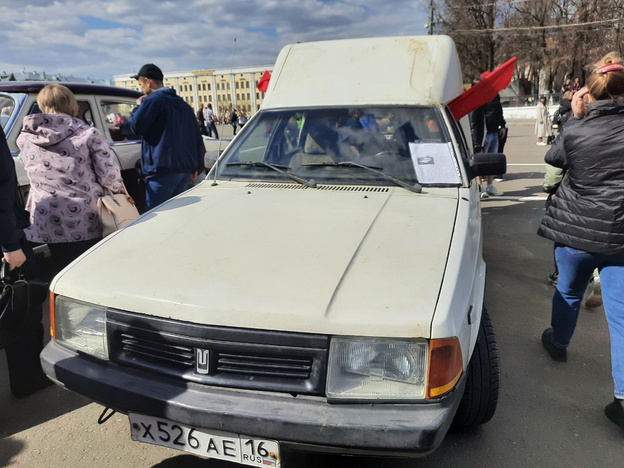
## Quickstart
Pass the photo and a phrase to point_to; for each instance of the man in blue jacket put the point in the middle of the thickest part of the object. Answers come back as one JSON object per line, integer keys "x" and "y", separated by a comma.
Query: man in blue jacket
{"x": 172, "y": 152}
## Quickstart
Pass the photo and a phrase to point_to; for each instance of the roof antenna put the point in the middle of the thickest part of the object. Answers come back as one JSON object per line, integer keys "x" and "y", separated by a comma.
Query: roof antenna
{"x": 216, "y": 168}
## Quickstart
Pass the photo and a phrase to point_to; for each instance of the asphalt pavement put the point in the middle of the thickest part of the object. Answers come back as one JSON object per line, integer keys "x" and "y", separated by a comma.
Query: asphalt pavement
{"x": 549, "y": 415}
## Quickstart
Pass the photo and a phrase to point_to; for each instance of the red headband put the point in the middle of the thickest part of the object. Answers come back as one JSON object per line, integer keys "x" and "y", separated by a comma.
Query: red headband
{"x": 609, "y": 67}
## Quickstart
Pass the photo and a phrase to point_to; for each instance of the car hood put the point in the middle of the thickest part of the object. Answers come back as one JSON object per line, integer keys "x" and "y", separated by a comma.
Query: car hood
{"x": 332, "y": 260}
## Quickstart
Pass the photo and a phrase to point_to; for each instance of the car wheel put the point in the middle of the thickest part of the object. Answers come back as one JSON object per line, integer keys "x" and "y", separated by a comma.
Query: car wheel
{"x": 480, "y": 397}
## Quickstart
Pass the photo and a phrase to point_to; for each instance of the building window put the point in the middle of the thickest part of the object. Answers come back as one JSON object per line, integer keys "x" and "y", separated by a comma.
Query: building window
{"x": 208, "y": 86}
{"x": 237, "y": 97}
{"x": 248, "y": 98}
{"x": 247, "y": 84}
{"x": 210, "y": 98}
{"x": 217, "y": 86}
{"x": 257, "y": 95}
{"x": 190, "y": 87}
{"x": 237, "y": 85}
{"x": 228, "y": 86}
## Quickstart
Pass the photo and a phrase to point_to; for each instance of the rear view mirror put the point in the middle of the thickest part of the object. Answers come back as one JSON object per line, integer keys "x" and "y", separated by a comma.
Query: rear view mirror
{"x": 485, "y": 164}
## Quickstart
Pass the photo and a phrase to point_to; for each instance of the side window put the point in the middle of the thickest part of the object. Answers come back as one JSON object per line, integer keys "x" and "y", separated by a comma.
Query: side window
{"x": 84, "y": 112}
{"x": 117, "y": 112}
{"x": 7, "y": 105}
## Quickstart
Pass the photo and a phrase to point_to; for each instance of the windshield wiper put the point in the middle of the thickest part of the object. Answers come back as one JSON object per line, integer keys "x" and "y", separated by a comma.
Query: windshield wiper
{"x": 412, "y": 188}
{"x": 278, "y": 168}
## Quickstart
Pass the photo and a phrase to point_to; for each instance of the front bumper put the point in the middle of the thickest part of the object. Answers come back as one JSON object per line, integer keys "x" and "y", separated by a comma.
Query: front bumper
{"x": 301, "y": 422}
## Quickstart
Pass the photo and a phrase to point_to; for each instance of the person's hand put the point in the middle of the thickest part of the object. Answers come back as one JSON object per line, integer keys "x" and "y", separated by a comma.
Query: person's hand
{"x": 15, "y": 259}
{"x": 194, "y": 177}
{"x": 502, "y": 132}
{"x": 579, "y": 108}
{"x": 139, "y": 99}
{"x": 486, "y": 143}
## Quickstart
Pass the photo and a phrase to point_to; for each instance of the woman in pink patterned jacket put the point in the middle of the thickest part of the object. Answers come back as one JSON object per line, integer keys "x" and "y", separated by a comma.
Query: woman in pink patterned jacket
{"x": 70, "y": 166}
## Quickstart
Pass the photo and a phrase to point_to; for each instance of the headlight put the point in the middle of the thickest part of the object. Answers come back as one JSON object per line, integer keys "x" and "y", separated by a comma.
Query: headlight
{"x": 80, "y": 326}
{"x": 377, "y": 369}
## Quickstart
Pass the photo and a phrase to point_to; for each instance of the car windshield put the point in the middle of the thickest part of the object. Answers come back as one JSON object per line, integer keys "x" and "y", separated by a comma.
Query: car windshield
{"x": 7, "y": 106}
{"x": 349, "y": 145}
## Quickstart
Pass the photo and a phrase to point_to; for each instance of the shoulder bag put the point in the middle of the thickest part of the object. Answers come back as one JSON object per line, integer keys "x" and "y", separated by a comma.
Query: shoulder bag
{"x": 116, "y": 211}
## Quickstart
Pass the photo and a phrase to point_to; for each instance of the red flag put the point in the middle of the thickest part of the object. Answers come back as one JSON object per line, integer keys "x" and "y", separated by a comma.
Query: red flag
{"x": 263, "y": 84}
{"x": 484, "y": 91}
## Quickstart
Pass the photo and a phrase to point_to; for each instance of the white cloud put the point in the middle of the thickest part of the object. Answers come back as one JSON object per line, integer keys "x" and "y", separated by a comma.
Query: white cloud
{"x": 44, "y": 35}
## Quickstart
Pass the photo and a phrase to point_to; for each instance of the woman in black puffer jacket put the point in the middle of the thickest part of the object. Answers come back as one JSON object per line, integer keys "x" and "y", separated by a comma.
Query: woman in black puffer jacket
{"x": 586, "y": 218}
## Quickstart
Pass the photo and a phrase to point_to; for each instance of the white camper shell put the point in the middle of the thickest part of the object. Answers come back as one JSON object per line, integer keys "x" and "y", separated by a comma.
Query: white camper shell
{"x": 321, "y": 290}
{"x": 403, "y": 71}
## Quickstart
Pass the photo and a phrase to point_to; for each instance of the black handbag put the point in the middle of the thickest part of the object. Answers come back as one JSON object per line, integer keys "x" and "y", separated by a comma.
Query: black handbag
{"x": 20, "y": 302}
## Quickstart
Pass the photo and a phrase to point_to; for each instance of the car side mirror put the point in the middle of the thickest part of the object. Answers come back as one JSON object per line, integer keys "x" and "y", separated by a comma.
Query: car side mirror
{"x": 485, "y": 164}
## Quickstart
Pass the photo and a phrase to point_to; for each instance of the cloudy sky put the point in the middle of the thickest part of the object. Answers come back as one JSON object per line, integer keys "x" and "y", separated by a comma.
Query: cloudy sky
{"x": 102, "y": 38}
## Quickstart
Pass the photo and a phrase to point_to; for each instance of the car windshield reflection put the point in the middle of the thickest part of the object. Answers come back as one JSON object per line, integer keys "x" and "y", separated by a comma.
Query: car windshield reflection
{"x": 310, "y": 142}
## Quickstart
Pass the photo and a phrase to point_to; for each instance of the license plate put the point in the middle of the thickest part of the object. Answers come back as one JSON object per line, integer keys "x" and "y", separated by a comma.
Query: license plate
{"x": 213, "y": 444}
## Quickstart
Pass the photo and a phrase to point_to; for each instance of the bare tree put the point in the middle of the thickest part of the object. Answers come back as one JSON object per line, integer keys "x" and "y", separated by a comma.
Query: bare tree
{"x": 552, "y": 39}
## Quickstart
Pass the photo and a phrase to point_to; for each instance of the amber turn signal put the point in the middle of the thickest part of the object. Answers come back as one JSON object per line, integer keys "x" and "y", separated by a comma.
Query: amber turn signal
{"x": 445, "y": 366}
{"x": 52, "y": 326}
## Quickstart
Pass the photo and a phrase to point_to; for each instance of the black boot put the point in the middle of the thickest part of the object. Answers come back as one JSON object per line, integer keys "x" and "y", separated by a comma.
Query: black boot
{"x": 615, "y": 412}
{"x": 558, "y": 353}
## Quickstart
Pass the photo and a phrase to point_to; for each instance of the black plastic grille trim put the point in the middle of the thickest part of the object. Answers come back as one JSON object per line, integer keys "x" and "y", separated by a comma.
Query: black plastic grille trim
{"x": 238, "y": 358}
{"x": 264, "y": 365}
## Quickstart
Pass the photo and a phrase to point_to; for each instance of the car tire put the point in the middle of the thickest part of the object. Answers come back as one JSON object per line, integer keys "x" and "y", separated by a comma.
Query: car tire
{"x": 480, "y": 398}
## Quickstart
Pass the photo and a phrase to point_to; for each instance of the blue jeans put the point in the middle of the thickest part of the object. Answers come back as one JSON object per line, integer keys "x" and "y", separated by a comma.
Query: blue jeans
{"x": 575, "y": 270}
{"x": 492, "y": 139}
{"x": 161, "y": 188}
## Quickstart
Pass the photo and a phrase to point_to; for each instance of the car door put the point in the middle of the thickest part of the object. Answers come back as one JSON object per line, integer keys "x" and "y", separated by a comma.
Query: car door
{"x": 113, "y": 110}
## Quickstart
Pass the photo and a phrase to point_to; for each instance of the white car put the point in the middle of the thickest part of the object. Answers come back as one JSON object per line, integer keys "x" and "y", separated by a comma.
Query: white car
{"x": 99, "y": 106}
{"x": 322, "y": 290}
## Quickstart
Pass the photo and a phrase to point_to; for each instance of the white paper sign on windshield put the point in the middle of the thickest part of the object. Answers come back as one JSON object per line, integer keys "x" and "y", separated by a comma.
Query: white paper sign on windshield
{"x": 435, "y": 163}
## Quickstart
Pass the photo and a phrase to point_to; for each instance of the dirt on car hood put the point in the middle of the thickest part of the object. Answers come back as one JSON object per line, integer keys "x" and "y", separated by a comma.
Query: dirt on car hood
{"x": 339, "y": 260}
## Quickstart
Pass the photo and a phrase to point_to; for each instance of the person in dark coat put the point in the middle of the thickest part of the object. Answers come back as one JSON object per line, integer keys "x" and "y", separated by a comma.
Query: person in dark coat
{"x": 25, "y": 345}
{"x": 563, "y": 114}
{"x": 201, "y": 120}
{"x": 586, "y": 218}
{"x": 487, "y": 125}
{"x": 172, "y": 151}
{"x": 233, "y": 120}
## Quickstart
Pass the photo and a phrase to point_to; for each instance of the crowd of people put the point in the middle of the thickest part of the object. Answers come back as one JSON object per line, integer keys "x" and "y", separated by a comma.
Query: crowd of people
{"x": 545, "y": 126}
{"x": 573, "y": 86}
{"x": 208, "y": 120}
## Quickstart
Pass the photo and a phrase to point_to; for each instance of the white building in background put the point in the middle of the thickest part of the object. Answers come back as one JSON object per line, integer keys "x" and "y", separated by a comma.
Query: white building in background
{"x": 224, "y": 88}
{"x": 24, "y": 75}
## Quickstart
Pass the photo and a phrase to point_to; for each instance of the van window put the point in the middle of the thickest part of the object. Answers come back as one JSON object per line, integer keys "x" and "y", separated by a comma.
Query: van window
{"x": 310, "y": 142}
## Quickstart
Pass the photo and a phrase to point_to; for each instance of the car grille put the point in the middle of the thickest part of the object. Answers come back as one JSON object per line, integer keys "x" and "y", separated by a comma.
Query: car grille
{"x": 240, "y": 358}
